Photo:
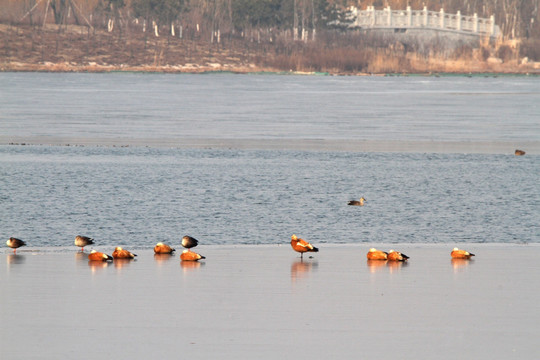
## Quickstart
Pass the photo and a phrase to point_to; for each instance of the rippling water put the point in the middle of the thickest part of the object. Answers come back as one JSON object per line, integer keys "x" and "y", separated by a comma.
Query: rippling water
{"x": 138, "y": 196}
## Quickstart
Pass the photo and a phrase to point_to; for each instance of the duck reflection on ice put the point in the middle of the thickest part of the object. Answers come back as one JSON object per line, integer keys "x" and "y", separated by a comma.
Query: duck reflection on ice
{"x": 121, "y": 263}
{"x": 301, "y": 267}
{"x": 13, "y": 259}
{"x": 460, "y": 264}
{"x": 161, "y": 258}
{"x": 376, "y": 265}
{"x": 190, "y": 265}
{"x": 379, "y": 265}
{"x": 395, "y": 266}
{"x": 97, "y": 265}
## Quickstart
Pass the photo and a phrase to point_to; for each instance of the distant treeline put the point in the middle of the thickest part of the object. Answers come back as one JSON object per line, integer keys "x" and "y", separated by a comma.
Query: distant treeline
{"x": 516, "y": 18}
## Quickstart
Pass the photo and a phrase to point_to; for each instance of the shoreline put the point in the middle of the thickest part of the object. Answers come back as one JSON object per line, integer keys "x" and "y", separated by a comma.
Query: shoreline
{"x": 330, "y": 145}
{"x": 249, "y": 69}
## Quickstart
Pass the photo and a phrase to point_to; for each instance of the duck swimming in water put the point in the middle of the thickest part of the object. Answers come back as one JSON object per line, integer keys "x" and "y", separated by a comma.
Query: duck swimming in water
{"x": 357, "y": 202}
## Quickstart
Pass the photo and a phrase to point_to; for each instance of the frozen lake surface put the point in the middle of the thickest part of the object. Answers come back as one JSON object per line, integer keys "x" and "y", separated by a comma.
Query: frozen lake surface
{"x": 355, "y": 113}
{"x": 246, "y": 302}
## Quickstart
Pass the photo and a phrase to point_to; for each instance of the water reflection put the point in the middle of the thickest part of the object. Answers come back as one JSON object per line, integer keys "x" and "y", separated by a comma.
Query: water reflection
{"x": 300, "y": 268}
{"x": 13, "y": 259}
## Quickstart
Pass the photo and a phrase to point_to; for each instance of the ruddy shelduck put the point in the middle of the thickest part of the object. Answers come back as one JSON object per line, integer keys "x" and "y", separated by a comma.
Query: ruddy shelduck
{"x": 120, "y": 253}
{"x": 357, "y": 202}
{"x": 188, "y": 255}
{"x": 15, "y": 243}
{"x": 519, "y": 152}
{"x": 302, "y": 246}
{"x": 82, "y": 241}
{"x": 162, "y": 248}
{"x": 460, "y": 254}
{"x": 98, "y": 256}
{"x": 396, "y": 256}
{"x": 374, "y": 254}
{"x": 188, "y": 242}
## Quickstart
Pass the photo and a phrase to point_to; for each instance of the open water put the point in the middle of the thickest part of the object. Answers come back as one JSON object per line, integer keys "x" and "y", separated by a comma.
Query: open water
{"x": 137, "y": 196}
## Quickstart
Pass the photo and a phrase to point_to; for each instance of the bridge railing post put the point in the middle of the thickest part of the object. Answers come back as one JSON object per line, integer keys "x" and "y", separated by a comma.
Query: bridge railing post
{"x": 458, "y": 20}
{"x": 425, "y": 16}
{"x": 442, "y": 18}
{"x": 389, "y": 16}
{"x": 372, "y": 10}
{"x": 409, "y": 16}
{"x": 475, "y": 23}
{"x": 492, "y": 29}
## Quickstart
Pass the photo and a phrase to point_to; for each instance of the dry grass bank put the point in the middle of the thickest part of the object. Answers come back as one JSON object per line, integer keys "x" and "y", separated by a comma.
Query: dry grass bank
{"x": 77, "y": 48}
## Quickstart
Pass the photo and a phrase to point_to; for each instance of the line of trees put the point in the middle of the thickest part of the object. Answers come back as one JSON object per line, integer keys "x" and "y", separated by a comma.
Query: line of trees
{"x": 516, "y": 18}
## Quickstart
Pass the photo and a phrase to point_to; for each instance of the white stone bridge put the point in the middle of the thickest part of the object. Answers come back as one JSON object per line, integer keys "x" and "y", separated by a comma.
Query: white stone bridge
{"x": 402, "y": 20}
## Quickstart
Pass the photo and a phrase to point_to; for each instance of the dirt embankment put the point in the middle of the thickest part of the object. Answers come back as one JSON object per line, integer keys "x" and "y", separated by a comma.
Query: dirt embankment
{"x": 81, "y": 49}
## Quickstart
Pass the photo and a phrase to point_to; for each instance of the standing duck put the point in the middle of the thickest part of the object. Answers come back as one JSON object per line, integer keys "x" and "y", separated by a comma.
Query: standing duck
{"x": 15, "y": 243}
{"x": 188, "y": 242}
{"x": 302, "y": 246}
{"x": 82, "y": 241}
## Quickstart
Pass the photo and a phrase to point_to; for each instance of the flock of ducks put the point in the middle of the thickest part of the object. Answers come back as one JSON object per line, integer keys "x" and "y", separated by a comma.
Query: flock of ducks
{"x": 302, "y": 246}
{"x": 82, "y": 241}
{"x": 188, "y": 242}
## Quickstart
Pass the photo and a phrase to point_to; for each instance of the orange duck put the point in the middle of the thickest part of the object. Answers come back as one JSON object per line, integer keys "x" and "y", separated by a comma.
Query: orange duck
{"x": 188, "y": 255}
{"x": 396, "y": 256}
{"x": 302, "y": 246}
{"x": 460, "y": 254}
{"x": 162, "y": 248}
{"x": 120, "y": 253}
{"x": 374, "y": 254}
{"x": 98, "y": 256}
